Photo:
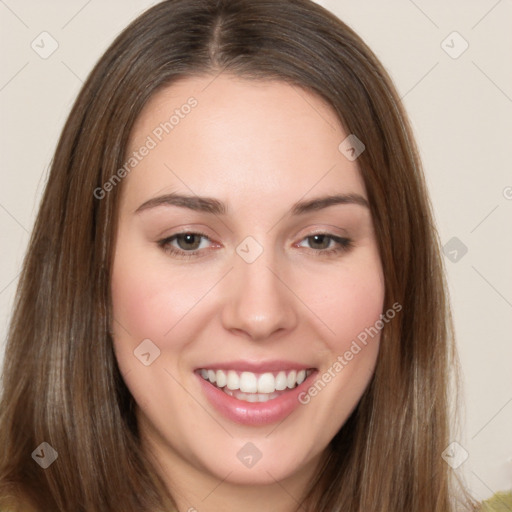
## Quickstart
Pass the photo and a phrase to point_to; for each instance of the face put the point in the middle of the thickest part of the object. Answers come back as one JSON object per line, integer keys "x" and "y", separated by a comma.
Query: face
{"x": 238, "y": 292}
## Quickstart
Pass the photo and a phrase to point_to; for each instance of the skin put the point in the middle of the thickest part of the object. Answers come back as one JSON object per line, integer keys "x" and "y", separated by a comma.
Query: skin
{"x": 259, "y": 147}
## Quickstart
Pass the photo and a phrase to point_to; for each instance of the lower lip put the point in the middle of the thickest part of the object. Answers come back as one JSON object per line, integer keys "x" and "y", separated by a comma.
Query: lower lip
{"x": 255, "y": 413}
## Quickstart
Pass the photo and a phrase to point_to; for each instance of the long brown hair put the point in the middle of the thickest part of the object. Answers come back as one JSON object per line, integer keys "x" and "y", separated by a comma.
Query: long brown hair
{"x": 61, "y": 381}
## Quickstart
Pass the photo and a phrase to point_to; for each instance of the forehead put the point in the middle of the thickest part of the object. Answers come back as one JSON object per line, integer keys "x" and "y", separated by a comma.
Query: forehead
{"x": 237, "y": 139}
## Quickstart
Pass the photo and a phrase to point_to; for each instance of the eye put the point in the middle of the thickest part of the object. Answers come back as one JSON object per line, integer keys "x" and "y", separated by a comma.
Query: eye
{"x": 185, "y": 244}
{"x": 326, "y": 244}
{"x": 190, "y": 244}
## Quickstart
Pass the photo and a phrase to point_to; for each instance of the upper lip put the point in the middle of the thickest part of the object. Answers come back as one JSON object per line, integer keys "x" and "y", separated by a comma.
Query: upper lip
{"x": 256, "y": 366}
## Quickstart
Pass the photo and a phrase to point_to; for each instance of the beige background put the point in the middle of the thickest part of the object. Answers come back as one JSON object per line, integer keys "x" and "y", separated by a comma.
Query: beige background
{"x": 461, "y": 111}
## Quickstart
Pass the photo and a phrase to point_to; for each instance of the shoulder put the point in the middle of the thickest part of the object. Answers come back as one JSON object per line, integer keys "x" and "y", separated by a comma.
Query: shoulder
{"x": 500, "y": 502}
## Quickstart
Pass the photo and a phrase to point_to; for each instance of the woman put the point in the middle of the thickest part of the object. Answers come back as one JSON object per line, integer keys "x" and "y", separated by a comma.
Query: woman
{"x": 297, "y": 357}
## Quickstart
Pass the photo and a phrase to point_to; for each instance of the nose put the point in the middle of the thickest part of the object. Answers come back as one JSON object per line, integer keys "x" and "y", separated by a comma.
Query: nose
{"x": 259, "y": 303}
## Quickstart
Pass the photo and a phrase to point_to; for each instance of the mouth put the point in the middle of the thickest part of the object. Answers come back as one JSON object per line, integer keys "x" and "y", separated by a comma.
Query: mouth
{"x": 253, "y": 387}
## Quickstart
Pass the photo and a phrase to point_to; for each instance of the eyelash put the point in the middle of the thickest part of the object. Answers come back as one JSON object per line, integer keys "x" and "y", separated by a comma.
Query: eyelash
{"x": 344, "y": 244}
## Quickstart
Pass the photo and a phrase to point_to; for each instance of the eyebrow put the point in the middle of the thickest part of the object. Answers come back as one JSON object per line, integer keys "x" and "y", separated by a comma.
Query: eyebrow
{"x": 216, "y": 207}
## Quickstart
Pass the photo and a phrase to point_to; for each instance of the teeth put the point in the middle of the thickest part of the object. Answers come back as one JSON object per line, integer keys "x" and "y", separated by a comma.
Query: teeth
{"x": 222, "y": 379}
{"x": 266, "y": 383}
{"x": 233, "y": 381}
{"x": 292, "y": 379}
{"x": 255, "y": 387}
{"x": 281, "y": 381}
{"x": 251, "y": 397}
{"x": 248, "y": 382}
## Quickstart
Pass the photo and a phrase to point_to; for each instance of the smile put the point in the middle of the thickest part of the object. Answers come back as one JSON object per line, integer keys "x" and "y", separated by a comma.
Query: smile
{"x": 255, "y": 387}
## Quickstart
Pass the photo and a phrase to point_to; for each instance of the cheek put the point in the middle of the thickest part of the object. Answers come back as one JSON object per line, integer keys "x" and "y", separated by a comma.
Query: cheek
{"x": 349, "y": 301}
{"x": 358, "y": 306}
{"x": 139, "y": 300}
{"x": 148, "y": 300}
{"x": 352, "y": 307}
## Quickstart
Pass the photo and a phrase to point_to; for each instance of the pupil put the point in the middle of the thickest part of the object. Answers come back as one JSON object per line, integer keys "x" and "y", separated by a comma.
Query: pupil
{"x": 319, "y": 239}
{"x": 189, "y": 239}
